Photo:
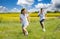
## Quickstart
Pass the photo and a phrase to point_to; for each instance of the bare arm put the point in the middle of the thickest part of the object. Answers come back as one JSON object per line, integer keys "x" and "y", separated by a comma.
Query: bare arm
{"x": 20, "y": 20}
{"x": 28, "y": 18}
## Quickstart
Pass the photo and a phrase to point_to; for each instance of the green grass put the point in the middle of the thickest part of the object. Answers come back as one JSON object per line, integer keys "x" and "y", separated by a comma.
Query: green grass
{"x": 12, "y": 29}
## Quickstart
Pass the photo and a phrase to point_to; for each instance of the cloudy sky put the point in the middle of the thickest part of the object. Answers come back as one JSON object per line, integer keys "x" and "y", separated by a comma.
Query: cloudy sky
{"x": 30, "y": 5}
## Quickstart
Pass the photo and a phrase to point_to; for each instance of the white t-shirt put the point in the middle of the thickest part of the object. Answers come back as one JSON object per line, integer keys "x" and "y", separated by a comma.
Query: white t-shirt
{"x": 42, "y": 15}
{"x": 24, "y": 19}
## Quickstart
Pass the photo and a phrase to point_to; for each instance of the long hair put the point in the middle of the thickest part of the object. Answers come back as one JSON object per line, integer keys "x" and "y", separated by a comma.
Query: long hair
{"x": 22, "y": 10}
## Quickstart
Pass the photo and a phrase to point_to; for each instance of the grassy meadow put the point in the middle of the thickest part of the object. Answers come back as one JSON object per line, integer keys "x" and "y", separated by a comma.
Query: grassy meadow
{"x": 10, "y": 27}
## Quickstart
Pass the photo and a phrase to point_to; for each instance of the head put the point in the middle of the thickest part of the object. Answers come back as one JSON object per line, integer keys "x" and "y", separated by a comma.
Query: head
{"x": 41, "y": 10}
{"x": 23, "y": 11}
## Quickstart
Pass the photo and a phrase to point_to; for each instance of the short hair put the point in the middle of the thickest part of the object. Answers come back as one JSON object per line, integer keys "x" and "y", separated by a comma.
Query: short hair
{"x": 41, "y": 8}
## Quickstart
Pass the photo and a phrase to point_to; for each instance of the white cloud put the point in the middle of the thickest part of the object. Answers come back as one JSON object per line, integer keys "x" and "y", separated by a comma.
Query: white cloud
{"x": 25, "y": 2}
{"x": 41, "y": 5}
{"x": 33, "y": 10}
{"x": 50, "y": 7}
{"x": 55, "y": 1}
{"x": 3, "y": 9}
{"x": 55, "y": 4}
{"x": 15, "y": 10}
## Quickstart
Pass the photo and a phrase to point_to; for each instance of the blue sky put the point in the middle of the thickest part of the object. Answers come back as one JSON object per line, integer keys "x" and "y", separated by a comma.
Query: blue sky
{"x": 13, "y": 3}
{"x": 9, "y": 3}
{"x": 30, "y": 5}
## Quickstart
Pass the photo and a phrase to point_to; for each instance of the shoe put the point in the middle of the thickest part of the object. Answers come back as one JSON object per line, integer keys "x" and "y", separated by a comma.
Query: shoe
{"x": 26, "y": 33}
{"x": 44, "y": 30}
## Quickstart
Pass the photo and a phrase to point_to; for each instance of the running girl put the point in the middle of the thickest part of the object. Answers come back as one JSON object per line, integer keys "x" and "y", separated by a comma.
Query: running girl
{"x": 24, "y": 20}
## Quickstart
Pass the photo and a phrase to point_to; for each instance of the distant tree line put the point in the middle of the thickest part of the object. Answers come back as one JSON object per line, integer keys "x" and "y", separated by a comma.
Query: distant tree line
{"x": 48, "y": 12}
{"x": 53, "y": 12}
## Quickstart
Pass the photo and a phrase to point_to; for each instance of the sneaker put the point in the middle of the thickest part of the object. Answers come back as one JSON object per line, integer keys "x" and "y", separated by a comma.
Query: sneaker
{"x": 26, "y": 33}
{"x": 44, "y": 30}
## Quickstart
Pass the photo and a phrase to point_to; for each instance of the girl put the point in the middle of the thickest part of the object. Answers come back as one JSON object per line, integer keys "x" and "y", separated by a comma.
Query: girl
{"x": 24, "y": 21}
{"x": 42, "y": 18}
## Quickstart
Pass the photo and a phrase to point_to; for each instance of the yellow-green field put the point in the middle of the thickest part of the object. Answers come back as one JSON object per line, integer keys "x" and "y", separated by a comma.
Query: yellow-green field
{"x": 31, "y": 14}
{"x": 10, "y": 27}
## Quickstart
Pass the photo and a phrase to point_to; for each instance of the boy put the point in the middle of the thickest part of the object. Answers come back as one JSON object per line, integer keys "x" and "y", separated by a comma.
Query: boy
{"x": 42, "y": 14}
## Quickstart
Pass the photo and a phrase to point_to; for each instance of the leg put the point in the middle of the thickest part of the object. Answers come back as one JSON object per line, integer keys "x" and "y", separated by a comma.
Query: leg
{"x": 25, "y": 30}
{"x": 42, "y": 25}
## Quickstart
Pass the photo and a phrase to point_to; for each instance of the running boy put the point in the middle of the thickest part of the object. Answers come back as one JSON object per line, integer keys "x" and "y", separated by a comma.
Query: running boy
{"x": 42, "y": 14}
{"x": 24, "y": 20}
